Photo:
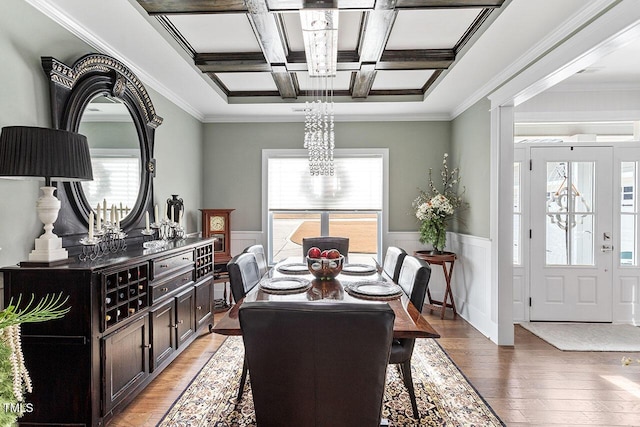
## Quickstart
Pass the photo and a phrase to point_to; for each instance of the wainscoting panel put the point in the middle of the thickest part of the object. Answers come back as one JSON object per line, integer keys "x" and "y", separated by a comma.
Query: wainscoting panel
{"x": 471, "y": 281}
{"x": 626, "y": 299}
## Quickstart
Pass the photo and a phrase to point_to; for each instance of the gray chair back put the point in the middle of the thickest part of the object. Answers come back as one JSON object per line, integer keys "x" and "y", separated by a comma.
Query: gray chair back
{"x": 393, "y": 262}
{"x": 317, "y": 364}
{"x": 261, "y": 259}
{"x": 414, "y": 278}
{"x": 243, "y": 274}
{"x": 326, "y": 243}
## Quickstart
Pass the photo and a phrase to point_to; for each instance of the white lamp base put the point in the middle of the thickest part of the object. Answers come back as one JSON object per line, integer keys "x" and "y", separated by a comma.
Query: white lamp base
{"x": 48, "y": 247}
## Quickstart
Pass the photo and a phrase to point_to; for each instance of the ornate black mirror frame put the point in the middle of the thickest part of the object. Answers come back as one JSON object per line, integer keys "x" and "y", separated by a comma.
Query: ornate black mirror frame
{"x": 71, "y": 89}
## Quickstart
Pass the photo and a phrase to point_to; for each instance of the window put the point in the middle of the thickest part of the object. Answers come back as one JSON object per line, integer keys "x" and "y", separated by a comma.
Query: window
{"x": 517, "y": 213}
{"x": 116, "y": 176}
{"x": 628, "y": 214}
{"x": 348, "y": 204}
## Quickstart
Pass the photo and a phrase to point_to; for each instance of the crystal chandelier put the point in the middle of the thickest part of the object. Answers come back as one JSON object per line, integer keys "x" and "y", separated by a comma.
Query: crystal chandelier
{"x": 320, "y": 35}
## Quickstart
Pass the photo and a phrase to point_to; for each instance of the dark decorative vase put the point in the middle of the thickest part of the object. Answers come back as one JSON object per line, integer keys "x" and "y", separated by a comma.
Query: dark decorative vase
{"x": 175, "y": 207}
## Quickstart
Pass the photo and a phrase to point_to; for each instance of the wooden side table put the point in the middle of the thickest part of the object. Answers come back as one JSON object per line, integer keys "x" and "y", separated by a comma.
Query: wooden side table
{"x": 441, "y": 259}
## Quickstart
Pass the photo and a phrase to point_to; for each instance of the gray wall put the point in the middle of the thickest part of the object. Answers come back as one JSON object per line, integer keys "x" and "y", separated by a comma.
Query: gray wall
{"x": 25, "y": 36}
{"x": 233, "y": 156}
{"x": 470, "y": 151}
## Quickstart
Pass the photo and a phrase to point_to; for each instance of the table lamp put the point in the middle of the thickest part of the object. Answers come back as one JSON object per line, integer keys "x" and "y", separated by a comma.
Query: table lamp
{"x": 52, "y": 154}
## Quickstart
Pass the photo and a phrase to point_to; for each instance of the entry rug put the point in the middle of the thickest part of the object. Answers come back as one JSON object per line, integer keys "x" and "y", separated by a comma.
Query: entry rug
{"x": 587, "y": 336}
{"x": 445, "y": 397}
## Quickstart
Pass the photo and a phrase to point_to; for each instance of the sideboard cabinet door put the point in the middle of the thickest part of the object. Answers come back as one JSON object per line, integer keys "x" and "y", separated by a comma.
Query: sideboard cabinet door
{"x": 126, "y": 361}
{"x": 163, "y": 334}
{"x": 185, "y": 317}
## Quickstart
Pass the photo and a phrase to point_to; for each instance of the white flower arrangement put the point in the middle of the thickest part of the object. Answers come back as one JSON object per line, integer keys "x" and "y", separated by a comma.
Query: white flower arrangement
{"x": 434, "y": 208}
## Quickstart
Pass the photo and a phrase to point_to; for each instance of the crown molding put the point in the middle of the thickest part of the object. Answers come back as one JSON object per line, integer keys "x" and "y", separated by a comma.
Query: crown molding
{"x": 564, "y": 31}
{"x": 67, "y": 22}
{"x": 299, "y": 118}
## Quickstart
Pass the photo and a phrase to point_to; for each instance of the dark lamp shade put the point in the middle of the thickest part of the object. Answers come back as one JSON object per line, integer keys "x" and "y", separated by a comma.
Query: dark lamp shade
{"x": 54, "y": 154}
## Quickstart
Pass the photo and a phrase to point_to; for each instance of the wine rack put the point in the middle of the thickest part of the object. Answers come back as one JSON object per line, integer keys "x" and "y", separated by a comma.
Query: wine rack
{"x": 204, "y": 260}
{"x": 125, "y": 292}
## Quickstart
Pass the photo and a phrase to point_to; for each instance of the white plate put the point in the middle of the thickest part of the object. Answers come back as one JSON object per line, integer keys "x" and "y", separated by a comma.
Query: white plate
{"x": 295, "y": 268}
{"x": 284, "y": 283}
{"x": 376, "y": 288}
{"x": 358, "y": 269}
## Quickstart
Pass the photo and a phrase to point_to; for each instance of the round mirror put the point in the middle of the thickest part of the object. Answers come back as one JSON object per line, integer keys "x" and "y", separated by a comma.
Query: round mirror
{"x": 98, "y": 96}
{"x": 115, "y": 157}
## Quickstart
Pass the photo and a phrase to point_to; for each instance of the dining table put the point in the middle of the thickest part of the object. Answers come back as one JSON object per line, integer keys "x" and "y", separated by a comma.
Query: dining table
{"x": 290, "y": 280}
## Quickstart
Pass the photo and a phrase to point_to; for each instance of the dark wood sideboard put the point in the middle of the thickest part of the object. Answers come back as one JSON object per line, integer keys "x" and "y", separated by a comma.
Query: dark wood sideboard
{"x": 131, "y": 314}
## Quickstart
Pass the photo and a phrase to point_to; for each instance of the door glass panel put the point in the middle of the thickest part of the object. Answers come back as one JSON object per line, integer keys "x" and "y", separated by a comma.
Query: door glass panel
{"x": 582, "y": 240}
{"x": 582, "y": 180}
{"x": 628, "y": 213}
{"x": 557, "y": 244}
{"x": 570, "y": 216}
{"x": 556, "y": 180}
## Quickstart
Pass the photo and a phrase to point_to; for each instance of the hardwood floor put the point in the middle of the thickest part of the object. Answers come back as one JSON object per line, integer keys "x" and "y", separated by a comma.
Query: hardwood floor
{"x": 532, "y": 383}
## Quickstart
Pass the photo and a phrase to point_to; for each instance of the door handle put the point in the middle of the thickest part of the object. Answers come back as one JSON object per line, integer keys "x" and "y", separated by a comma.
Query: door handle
{"x": 606, "y": 248}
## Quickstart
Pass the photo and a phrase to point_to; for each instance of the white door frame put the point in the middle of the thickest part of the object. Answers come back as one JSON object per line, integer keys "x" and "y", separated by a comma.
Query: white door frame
{"x": 612, "y": 29}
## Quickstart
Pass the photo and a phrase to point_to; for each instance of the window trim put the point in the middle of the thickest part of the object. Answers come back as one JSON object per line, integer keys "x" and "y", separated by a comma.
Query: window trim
{"x": 340, "y": 152}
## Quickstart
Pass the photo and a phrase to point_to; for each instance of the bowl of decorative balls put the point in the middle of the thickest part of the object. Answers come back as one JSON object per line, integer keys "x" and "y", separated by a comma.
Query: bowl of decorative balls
{"x": 324, "y": 265}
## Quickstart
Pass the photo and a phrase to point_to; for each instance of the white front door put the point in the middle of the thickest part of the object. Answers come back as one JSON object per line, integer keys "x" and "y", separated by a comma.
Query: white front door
{"x": 571, "y": 234}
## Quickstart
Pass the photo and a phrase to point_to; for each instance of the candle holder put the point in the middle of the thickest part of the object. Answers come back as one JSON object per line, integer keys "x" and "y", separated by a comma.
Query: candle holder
{"x": 109, "y": 239}
{"x": 148, "y": 235}
{"x": 90, "y": 249}
{"x": 169, "y": 230}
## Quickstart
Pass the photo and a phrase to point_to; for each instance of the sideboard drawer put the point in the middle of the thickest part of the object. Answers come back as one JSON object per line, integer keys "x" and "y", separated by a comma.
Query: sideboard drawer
{"x": 168, "y": 287}
{"x": 163, "y": 266}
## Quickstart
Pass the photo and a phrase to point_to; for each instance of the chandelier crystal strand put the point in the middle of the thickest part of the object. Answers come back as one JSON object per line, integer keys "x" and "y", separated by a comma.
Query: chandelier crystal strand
{"x": 320, "y": 36}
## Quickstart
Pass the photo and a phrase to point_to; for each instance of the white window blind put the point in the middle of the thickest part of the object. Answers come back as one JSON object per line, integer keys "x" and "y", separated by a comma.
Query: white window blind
{"x": 116, "y": 179}
{"x": 356, "y": 185}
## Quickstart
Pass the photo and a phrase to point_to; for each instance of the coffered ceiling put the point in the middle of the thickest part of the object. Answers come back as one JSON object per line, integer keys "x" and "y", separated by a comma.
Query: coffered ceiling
{"x": 397, "y": 59}
{"x": 387, "y": 49}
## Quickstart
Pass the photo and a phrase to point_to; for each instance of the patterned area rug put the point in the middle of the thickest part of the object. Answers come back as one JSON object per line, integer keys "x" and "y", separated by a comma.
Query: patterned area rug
{"x": 587, "y": 336}
{"x": 445, "y": 397}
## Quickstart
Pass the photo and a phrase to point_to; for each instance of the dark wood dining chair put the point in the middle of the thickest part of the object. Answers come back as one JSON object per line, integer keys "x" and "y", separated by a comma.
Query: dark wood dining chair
{"x": 244, "y": 275}
{"x": 325, "y": 243}
{"x": 393, "y": 263}
{"x": 261, "y": 259}
{"x": 413, "y": 279}
{"x": 317, "y": 364}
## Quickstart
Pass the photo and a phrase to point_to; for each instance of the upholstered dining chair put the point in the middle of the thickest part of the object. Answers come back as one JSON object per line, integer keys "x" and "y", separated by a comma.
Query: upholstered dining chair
{"x": 325, "y": 243}
{"x": 244, "y": 275}
{"x": 261, "y": 259}
{"x": 393, "y": 263}
{"x": 317, "y": 364}
{"x": 413, "y": 279}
